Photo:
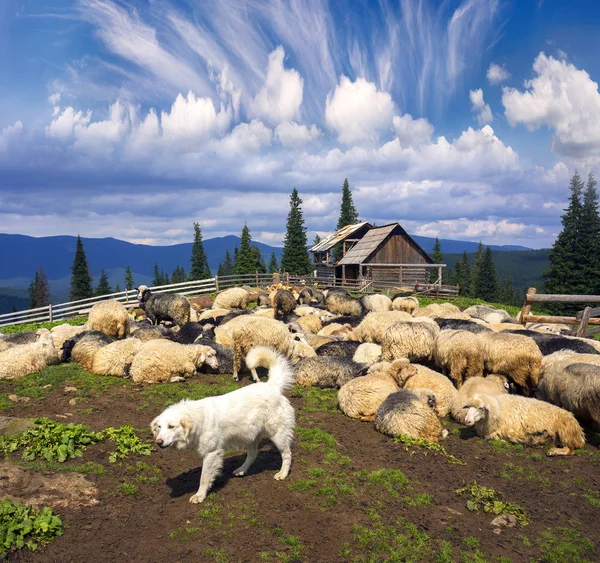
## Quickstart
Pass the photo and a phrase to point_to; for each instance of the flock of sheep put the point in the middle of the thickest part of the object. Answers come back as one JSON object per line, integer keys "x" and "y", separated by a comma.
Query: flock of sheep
{"x": 397, "y": 364}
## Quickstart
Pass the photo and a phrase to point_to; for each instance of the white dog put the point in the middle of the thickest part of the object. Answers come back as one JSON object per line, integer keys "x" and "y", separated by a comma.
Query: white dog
{"x": 236, "y": 420}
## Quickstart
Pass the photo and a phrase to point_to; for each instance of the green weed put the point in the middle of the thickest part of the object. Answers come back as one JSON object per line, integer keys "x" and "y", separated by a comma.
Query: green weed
{"x": 409, "y": 441}
{"x": 592, "y": 497}
{"x": 129, "y": 489}
{"x": 126, "y": 442}
{"x": 419, "y": 499}
{"x": 391, "y": 480}
{"x": 564, "y": 545}
{"x": 29, "y": 327}
{"x": 314, "y": 438}
{"x": 317, "y": 399}
{"x": 165, "y": 394}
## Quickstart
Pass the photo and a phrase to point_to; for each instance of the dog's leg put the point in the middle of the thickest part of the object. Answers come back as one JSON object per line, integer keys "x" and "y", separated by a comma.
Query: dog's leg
{"x": 283, "y": 440}
{"x": 250, "y": 457}
{"x": 255, "y": 375}
{"x": 210, "y": 469}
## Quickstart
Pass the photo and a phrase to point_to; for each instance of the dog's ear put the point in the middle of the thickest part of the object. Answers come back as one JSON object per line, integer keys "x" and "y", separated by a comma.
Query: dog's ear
{"x": 187, "y": 424}
{"x": 153, "y": 426}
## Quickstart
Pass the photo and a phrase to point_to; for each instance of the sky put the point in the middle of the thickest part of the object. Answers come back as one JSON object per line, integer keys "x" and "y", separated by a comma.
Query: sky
{"x": 133, "y": 119}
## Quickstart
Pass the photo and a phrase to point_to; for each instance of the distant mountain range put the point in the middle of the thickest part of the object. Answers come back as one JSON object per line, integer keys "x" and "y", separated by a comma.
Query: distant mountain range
{"x": 21, "y": 256}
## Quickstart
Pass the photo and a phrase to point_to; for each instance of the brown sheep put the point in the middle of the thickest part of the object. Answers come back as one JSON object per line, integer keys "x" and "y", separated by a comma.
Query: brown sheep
{"x": 459, "y": 353}
{"x": 109, "y": 317}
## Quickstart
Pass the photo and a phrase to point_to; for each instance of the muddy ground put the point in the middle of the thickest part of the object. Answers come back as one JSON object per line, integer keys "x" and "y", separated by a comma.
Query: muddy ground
{"x": 353, "y": 494}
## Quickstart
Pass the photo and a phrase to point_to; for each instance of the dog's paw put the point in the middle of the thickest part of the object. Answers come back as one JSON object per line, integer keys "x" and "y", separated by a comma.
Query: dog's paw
{"x": 197, "y": 498}
{"x": 239, "y": 473}
{"x": 280, "y": 476}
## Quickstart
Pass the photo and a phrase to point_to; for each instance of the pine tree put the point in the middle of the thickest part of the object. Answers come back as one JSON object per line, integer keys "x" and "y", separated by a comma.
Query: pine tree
{"x": 81, "y": 281}
{"x": 199, "y": 269}
{"x": 506, "y": 291}
{"x": 103, "y": 287}
{"x": 438, "y": 258}
{"x": 221, "y": 270}
{"x": 259, "y": 263}
{"x": 348, "y": 216}
{"x": 157, "y": 280}
{"x": 590, "y": 233}
{"x": 486, "y": 280}
{"x": 565, "y": 274}
{"x": 178, "y": 275}
{"x": 129, "y": 283}
{"x": 32, "y": 291}
{"x": 117, "y": 288}
{"x": 273, "y": 266}
{"x": 295, "y": 259}
{"x": 164, "y": 278}
{"x": 475, "y": 271}
{"x": 227, "y": 264}
{"x": 316, "y": 240}
{"x": 462, "y": 274}
{"x": 245, "y": 261}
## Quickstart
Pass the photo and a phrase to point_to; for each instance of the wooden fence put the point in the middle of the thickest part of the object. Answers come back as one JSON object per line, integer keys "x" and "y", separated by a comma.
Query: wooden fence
{"x": 583, "y": 318}
{"x": 81, "y": 307}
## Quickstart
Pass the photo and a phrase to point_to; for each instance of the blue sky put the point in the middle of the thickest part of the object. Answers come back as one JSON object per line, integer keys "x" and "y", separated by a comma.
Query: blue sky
{"x": 132, "y": 119}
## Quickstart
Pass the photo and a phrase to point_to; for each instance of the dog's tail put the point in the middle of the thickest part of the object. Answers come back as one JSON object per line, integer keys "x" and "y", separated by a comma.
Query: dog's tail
{"x": 281, "y": 374}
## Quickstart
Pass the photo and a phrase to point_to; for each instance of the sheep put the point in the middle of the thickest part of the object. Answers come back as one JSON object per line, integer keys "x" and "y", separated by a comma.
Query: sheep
{"x": 249, "y": 331}
{"x": 336, "y": 330}
{"x": 429, "y": 379}
{"x": 342, "y": 319}
{"x": 328, "y": 371}
{"x": 262, "y": 300}
{"x": 484, "y": 313}
{"x": 412, "y": 340}
{"x": 550, "y": 343}
{"x": 267, "y": 313}
{"x": 436, "y": 310}
{"x": 515, "y": 356}
{"x": 109, "y": 317}
{"x": 576, "y": 388}
{"x": 525, "y": 421}
{"x": 302, "y": 350}
{"x": 459, "y": 354}
{"x": 82, "y": 347}
{"x": 490, "y": 385}
{"x": 164, "y": 307}
{"x": 211, "y": 315}
{"x": 376, "y": 303}
{"x": 367, "y": 353}
{"x": 152, "y": 332}
{"x": 115, "y": 358}
{"x": 315, "y": 341}
{"x": 310, "y": 296}
{"x": 188, "y": 333}
{"x": 310, "y": 323}
{"x": 232, "y": 298}
{"x": 343, "y": 303}
{"x": 20, "y": 338}
{"x": 162, "y": 361}
{"x": 503, "y": 327}
{"x": 563, "y": 358}
{"x": 362, "y": 396}
{"x": 459, "y": 324}
{"x": 345, "y": 348}
{"x": 19, "y": 361}
{"x": 411, "y": 413}
{"x": 224, "y": 356}
{"x": 374, "y": 325}
{"x": 306, "y": 310}
{"x": 62, "y": 333}
{"x": 406, "y": 304}
{"x": 283, "y": 303}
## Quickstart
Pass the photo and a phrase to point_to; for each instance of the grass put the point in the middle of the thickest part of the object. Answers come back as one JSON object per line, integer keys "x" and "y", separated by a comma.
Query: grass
{"x": 314, "y": 438}
{"x": 391, "y": 480}
{"x": 410, "y": 441}
{"x": 88, "y": 468}
{"x": 491, "y": 501}
{"x": 165, "y": 394}
{"x": 418, "y": 499}
{"x": 531, "y": 475}
{"x": 317, "y": 399}
{"x": 565, "y": 545}
{"x": 592, "y": 497}
{"x": 29, "y": 327}
{"x": 129, "y": 489}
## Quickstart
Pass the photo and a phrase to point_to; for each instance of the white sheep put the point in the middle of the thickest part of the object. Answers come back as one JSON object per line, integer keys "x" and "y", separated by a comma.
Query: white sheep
{"x": 109, "y": 317}
{"x": 367, "y": 353}
{"x": 377, "y": 303}
{"x": 373, "y": 326}
{"x": 19, "y": 361}
{"x": 426, "y": 378}
{"x": 412, "y": 340}
{"x": 406, "y": 304}
{"x": 459, "y": 353}
{"x": 525, "y": 421}
{"x": 20, "y": 338}
{"x": 161, "y": 361}
{"x": 490, "y": 385}
{"x": 232, "y": 298}
{"x": 115, "y": 358}
{"x": 62, "y": 333}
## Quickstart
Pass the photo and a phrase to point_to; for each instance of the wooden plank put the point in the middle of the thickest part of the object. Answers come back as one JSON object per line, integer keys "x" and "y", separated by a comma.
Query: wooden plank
{"x": 556, "y": 298}
{"x": 555, "y": 320}
{"x": 527, "y": 304}
{"x": 585, "y": 319}
{"x": 593, "y": 313}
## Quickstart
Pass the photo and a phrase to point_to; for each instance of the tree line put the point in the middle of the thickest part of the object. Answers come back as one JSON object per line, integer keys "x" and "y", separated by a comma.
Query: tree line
{"x": 574, "y": 257}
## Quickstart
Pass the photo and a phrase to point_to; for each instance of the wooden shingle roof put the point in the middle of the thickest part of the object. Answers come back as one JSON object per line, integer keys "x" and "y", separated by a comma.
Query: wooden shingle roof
{"x": 337, "y": 237}
{"x": 359, "y": 253}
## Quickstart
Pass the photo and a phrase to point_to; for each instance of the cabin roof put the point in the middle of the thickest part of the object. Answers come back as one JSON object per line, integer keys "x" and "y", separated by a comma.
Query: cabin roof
{"x": 338, "y": 236}
{"x": 367, "y": 245}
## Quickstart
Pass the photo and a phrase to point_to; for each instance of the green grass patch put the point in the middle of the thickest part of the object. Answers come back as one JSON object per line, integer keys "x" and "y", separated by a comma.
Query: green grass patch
{"x": 88, "y": 468}
{"x": 128, "y": 488}
{"x": 410, "y": 441}
{"x": 165, "y": 394}
{"x": 317, "y": 399}
{"x": 26, "y": 526}
{"x": 565, "y": 545}
{"x": 592, "y": 497}
{"x": 391, "y": 480}
{"x": 294, "y": 549}
{"x": 418, "y": 499}
{"x": 502, "y": 447}
{"x": 314, "y": 438}
{"x": 145, "y": 472}
{"x": 219, "y": 555}
{"x": 29, "y": 327}
{"x": 490, "y": 500}
{"x": 210, "y": 513}
{"x": 530, "y": 475}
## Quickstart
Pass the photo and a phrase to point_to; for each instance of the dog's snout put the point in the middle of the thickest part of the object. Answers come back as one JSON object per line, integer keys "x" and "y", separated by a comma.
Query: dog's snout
{"x": 159, "y": 441}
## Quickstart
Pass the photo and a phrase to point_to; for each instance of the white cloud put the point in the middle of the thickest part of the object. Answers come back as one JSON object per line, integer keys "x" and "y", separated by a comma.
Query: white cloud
{"x": 472, "y": 229}
{"x": 497, "y": 74}
{"x": 66, "y": 122}
{"x": 563, "y": 98}
{"x": 245, "y": 139}
{"x": 280, "y": 98}
{"x": 292, "y": 134}
{"x": 54, "y": 98}
{"x": 9, "y": 134}
{"x": 479, "y": 107}
{"x": 412, "y": 132}
{"x": 194, "y": 119}
{"x": 358, "y": 111}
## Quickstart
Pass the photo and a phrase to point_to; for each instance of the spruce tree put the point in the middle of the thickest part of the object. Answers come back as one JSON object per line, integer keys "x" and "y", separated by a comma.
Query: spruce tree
{"x": 438, "y": 258}
{"x": 259, "y": 263}
{"x": 199, "y": 269}
{"x": 103, "y": 287}
{"x": 178, "y": 275}
{"x": 565, "y": 274}
{"x": 462, "y": 274}
{"x": 273, "y": 266}
{"x": 475, "y": 271}
{"x": 117, "y": 288}
{"x": 157, "y": 279}
{"x": 348, "y": 216}
{"x": 81, "y": 281}
{"x": 129, "y": 283}
{"x": 295, "y": 259}
{"x": 486, "y": 279}
{"x": 506, "y": 292}
{"x": 226, "y": 267}
{"x": 316, "y": 240}
{"x": 590, "y": 233}
{"x": 245, "y": 262}
{"x": 32, "y": 291}
{"x": 221, "y": 270}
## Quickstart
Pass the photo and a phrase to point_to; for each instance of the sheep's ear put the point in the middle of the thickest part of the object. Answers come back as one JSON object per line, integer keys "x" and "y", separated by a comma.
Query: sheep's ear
{"x": 187, "y": 425}
{"x": 487, "y": 407}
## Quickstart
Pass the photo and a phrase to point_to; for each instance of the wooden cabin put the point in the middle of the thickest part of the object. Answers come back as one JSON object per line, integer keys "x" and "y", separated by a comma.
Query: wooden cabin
{"x": 386, "y": 254}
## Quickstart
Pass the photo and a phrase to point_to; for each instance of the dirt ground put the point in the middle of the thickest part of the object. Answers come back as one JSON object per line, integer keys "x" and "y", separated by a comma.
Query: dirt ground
{"x": 353, "y": 494}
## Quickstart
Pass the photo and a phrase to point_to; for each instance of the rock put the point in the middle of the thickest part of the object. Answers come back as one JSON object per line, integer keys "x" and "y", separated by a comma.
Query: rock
{"x": 70, "y": 389}
{"x": 11, "y": 426}
{"x": 504, "y": 520}
{"x": 17, "y": 399}
{"x": 73, "y": 402}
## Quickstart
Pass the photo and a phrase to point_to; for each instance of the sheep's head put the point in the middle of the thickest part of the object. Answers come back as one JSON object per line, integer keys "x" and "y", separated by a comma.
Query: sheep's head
{"x": 143, "y": 293}
{"x": 428, "y": 396}
{"x": 300, "y": 351}
{"x": 401, "y": 370}
{"x": 206, "y": 355}
{"x": 478, "y": 409}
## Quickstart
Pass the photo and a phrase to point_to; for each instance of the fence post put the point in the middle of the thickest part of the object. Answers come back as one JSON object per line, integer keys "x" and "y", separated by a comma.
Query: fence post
{"x": 585, "y": 319}
{"x": 287, "y": 278}
{"x": 217, "y": 283}
{"x": 440, "y": 276}
{"x": 527, "y": 305}
{"x": 257, "y": 279}
{"x": 50, "y": 315}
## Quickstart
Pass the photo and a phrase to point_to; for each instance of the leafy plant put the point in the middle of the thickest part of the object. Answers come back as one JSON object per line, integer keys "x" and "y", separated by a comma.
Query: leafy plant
{"x": 409, "y": 441}
{"x": 26, "y": 526}
{"x": 126, "y": 442}
{"x": 490, "y": 500}
{"x": 52, "y": 441}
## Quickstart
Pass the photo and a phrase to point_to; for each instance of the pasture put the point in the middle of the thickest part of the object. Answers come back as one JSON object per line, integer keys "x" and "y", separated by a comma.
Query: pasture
{"x": 353, "y": 494}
